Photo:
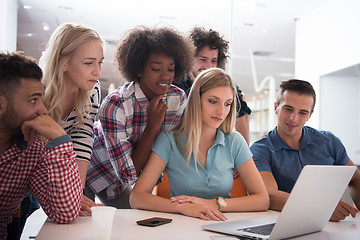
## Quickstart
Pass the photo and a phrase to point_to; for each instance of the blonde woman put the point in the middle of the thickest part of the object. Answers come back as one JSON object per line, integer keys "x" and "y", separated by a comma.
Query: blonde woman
{"x": 72, "y": 65}
{"x": 200, "y": 155}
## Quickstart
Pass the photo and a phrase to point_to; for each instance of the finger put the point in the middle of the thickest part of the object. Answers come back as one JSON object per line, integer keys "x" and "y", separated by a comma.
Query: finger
{"x": 86, "y": 208}
{"x": 203, "y": 217}
{"x": 347, "y": 209}
{"x": 32, "y": 136}
{"x": 211, "y": 215}
{"x": 82, "y": 214}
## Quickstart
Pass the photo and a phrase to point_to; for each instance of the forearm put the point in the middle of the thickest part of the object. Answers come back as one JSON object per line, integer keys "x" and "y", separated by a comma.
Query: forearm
{"x": 83, "y": 167}
{"x": 278, "y": 199}
{"x": 143, "y": 149}
{"x": 148, "y": 201}
{"x": 254, "y": 202}
{"x": 57, "y": 184}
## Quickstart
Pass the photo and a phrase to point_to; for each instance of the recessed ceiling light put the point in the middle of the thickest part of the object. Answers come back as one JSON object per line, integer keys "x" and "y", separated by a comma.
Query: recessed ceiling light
{"x": 45, "y": 26}
{"x": 247, "y": 24}
{"x": 29, "y": 34}
{"x": 27, "y": 7}
{"x": 286, "y": 74}
{"x": 264, "y": 31}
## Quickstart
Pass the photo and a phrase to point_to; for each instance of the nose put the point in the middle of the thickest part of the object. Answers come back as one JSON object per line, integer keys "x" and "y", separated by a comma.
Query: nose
{"x": 293, "y": 116}
{"x": 97, "y": 70}
{"x": 220, "y": 111}
{"x": 42, "y": 109}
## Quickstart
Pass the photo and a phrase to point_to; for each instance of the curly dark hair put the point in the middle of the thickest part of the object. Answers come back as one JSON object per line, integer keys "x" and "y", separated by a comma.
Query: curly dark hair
{"x": 200, "y": 37}
{"x": 137, "y": 45}
{"x": 14, "y": 67}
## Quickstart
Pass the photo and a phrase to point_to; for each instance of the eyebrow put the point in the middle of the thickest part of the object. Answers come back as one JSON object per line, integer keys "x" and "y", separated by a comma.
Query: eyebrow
{"x": 301, "y": 110}
{"x": 155, "y": 62}
{"x": 36, "y": 95}
{"x": 231, "y": 99}
{"x": 91, "y": 58}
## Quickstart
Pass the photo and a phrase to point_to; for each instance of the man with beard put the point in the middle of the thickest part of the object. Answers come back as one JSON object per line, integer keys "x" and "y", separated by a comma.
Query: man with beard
{"x": 48, "y": 171}
{"x": 211, "y": 50}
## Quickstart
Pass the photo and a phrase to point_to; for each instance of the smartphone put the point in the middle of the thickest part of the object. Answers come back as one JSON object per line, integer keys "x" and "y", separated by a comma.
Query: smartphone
{"x": 153, "y": 222}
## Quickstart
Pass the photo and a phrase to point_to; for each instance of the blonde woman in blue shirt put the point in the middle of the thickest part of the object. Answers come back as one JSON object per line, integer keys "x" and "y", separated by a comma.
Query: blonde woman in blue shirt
{"x": 201, "y": 187}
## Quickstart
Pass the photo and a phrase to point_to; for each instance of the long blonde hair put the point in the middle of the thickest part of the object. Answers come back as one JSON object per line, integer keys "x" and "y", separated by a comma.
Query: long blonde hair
{"x": 60, "y": 48}
{"x": 191, "y": 123}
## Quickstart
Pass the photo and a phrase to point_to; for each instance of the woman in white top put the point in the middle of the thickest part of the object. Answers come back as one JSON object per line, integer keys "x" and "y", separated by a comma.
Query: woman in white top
{"x": 72, "y": 65}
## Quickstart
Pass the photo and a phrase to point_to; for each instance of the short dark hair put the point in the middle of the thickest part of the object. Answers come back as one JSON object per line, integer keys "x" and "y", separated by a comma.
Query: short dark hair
{"x": 299, "y": 86}
{"x": 137, "y": 45}
{"x": 201, "y": 38}
{"x": 14, "y": 67}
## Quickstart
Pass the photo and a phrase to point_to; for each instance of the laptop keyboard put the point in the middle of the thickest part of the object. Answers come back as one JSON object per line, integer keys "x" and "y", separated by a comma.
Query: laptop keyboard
{"x": 263, "y": 229}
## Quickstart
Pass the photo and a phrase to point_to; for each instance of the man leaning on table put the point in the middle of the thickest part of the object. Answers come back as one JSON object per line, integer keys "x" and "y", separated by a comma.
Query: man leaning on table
{"x": 284, "y": 151}
{"x": 48, "y": 171}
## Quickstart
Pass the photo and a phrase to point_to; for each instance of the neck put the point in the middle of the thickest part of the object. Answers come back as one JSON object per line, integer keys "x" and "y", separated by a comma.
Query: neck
{"x": 68, "y": 103}
{"x": 292, "y": 141}
{"x": 5, "y": 141}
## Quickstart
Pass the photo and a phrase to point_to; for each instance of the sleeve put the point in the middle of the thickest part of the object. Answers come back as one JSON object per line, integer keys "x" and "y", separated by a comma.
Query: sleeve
{"x": 261, "y": 156}
{"x": 241, "y": 106}
{"x": 113, "y": 120}
{"x": 241, "y": 151}
{"x": 82, "y": 134}
{"x": 338, "y": 150}
{"x": 162, "y": 146}
{"x": 56, "y": 181}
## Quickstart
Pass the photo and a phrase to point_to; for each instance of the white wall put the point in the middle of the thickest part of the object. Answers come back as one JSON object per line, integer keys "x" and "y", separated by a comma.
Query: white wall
{"x": 328, "y": 40}
{"x": 339, "y": 110}
{"x": 8, "y": 25}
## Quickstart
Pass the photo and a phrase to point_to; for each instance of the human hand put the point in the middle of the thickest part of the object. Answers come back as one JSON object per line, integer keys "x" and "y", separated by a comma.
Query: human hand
{"x": 156, "y": 112}
{"x": 343, "y": 210}
{"x": 201, "y": 211}
{"x": 43, "y": 125}
{"x": 235, "y": 174}
{"x": 86, "y": 204}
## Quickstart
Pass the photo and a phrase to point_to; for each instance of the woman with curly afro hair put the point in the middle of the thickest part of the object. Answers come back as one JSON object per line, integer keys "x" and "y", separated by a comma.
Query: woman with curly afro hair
{"x": 133, "y": 115}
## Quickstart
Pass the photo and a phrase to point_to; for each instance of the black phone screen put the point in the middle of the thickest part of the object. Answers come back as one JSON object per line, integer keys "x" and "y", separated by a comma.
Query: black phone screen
{"x": 153, "y": 222}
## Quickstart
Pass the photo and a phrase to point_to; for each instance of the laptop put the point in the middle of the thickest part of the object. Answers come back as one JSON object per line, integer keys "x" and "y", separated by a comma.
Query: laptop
{"x": 308, "y": 209}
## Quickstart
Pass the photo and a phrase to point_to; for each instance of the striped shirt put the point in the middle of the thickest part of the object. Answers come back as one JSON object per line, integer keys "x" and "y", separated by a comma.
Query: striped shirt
{"x": 82, "y": 134}
{"x": 50, "y": 173}
{"x": 123, "y": 118}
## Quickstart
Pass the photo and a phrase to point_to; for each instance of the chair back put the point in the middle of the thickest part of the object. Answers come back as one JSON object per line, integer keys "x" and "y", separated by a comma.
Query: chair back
{"x": 163, "y": 189}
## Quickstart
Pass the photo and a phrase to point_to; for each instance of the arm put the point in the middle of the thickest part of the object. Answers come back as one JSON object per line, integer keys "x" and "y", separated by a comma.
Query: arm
{"x": 155, "y": 115}
{"x": 355, "y": 185}
{"x": 142, "y": 198}
{"x": 277, "y": 198}
{"x": 242, "y": 126}
{"x": 258, "y": 199}
{"x": 55, "y": 182}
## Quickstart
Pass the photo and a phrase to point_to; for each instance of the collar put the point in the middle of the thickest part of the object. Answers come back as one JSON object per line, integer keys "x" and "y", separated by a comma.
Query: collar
{"x": 20, "y": 142}
{"x": 139, "y": 95}
{"x": 279, "y": 144}
{"x": 220, "y": 137}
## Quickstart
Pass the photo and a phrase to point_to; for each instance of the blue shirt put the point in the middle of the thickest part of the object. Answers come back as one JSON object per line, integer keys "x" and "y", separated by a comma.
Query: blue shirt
{"x": 273, "y": 155}
{"x": 228, "y": 152}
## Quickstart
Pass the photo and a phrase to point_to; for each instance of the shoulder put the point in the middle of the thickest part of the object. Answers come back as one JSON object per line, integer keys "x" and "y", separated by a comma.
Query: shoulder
{"x": 122, "y": 94}
{"x": 319, "y": 134}
{"x": 263, "y": 144}
{"x": 174, "y": 90}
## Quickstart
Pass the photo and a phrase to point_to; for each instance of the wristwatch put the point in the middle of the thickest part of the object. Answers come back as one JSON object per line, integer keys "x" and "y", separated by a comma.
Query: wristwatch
{"x": 220, "y": 201}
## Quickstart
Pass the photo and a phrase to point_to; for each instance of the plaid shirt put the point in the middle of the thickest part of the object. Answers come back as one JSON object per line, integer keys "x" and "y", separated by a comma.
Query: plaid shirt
{"x": 50, "y": 173}
{"x": 123, "y": 118}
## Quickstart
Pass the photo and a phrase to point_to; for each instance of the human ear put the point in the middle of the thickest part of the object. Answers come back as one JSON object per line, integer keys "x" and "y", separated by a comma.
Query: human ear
{"x": 3, "y": 103}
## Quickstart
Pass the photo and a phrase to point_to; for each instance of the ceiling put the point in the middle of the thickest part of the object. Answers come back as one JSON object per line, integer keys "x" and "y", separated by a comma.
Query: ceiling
{"x": 267, "y": 27}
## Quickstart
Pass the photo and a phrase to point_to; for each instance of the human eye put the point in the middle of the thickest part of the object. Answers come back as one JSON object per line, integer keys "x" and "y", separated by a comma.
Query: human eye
{"x": 227, "y": 104}
{"x": 214, "y": 61}
{"x": 212, "y": 101}
{"x": 171, "y": 70}
{"x": 304, "y": 113}
{"x": 288, "y": 109}
{"x": 155, "y": 69}
{"x": 88, "y": 63}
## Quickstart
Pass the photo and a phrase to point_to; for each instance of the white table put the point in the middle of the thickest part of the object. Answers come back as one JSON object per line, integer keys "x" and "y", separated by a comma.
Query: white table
{"x": 182, "y": 227}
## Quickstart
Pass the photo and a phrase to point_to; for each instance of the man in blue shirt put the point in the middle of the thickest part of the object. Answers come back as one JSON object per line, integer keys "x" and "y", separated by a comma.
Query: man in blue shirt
{"x": 284, "y": 151}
